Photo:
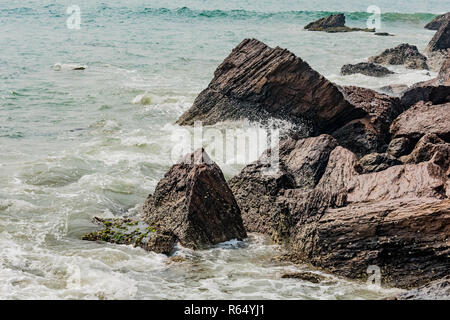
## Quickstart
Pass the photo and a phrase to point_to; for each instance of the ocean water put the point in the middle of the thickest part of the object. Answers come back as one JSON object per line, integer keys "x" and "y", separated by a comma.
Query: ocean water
{"x": 79, "y": 144}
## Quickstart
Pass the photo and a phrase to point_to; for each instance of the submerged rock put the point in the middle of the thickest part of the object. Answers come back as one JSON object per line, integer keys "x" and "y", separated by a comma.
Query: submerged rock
{"x": 257, "y": 82}
{"x": 194, "y": 202}
{"x": 404, "y": 54}
{"x": 383, "y": 34}
{"x": 333, "y": 23}
{"x": 437, "y": 22}
{"x": 306, "y": 276}
{"x": 368, "y": 69}
{"x": 133, "y": 232}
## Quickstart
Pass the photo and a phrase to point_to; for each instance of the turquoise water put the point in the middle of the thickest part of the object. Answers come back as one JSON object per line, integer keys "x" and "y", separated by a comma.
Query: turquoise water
{"x": 79, "y": 144}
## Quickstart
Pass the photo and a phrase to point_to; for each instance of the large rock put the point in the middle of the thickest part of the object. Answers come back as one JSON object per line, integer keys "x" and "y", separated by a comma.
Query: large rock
{"x": 441, "y": 40}
{"x": 257, "y": 82}
{"x": 371, "y": 133}
{"x": 333, "y": 23}
{"x": 194, "y": 202}
{"x": 404, "y": 54}
{"x": 429, "y": 146}
{"x": 375, "y": 162}
{"x": 368, "y": 69}
{"x": 437, "y": 22}
{"x": 436, "y": 91}
{"x": 301, "y": 165}
{"x": 421, "y": 119}
{"x": 400, "y": 146}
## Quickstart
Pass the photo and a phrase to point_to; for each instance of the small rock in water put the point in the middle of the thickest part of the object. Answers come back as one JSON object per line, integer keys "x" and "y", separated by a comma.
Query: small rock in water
{"x": 404, "y": 54}
{"x": 383, "y": 34}
{"x": 368, "y": 69}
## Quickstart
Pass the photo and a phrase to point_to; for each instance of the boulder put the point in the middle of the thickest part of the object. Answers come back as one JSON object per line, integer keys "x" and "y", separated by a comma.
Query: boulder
{"x": 257, "y": 82}
{"x": 421, "y": 119}
{"x": 404, "y": 54}
{"x": 333, "y": 23}
{"x": 368, "y": 69}
{"x": 429, "y": 146}
{"x": 441, "y": 40}
{"x": 438, "y": 21}
{"x": 437, "y": 90}
{"x": 130, "y": 231}
{"x": 371, "y": 133}
{"x": 400, "y": 146}
{"x": 301, "y": 165}
{"x": 394, "y": 89}
{"x": 194, "y": 202}
{"x": 375, "y": 162}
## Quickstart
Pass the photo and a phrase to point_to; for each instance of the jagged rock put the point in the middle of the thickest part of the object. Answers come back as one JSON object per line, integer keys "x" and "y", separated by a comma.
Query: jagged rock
{"x": 133, "y": 232}
{"x": 257, "y": 82}
{"x": 435, "y": 290}
{"x": 368, "y": 69}
{"x": 301, "y": 165}
{"x": 441, "y": 40}
{"x": 437, "y": 90}
{"x": 430, "y": 146}
{"x": 333, "y": 23}
{"x": 404, "y": 54}
{"x": 375, "y": 162}
{"x": 437, "y": 22}
{"x": 400, "y": 146}
{"x": 394, "y": 89}
{"x": 194, "y": 202}
{"x": 371, "y": 133}
{"x": 421, "y": 119}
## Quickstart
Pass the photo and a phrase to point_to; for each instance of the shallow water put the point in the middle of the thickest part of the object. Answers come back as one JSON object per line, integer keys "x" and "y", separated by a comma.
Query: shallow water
{"x": 79, "y": 144}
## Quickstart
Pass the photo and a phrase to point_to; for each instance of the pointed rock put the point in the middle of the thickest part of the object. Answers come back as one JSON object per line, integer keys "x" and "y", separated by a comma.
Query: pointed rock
{"x": 404, "y": 54}
{"x": 441, "y": 40}
{"x": 437, "y": 22}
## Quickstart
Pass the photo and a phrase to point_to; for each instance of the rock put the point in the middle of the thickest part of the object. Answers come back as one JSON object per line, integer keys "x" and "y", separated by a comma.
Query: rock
{"x": 404, "y": 54}
{"x": 383, "y": 34}
{"x": 430, "y": 146}
{"x": 133, "y": 232}
{"x": 375, "y": 162}
{"x": 257, "y": 82}
{"x": 371, "y": 133}
{"x": 421, "y": 119}
{"x": 306, "y": 276}
{"x": 441, "y": 40}
{"x": 437, "y": 58}
{"x": 368, "y": 69}
{"x": 301, "y": 165}
{"x": 394, "y": 89}
{"x": 333, "y": 23}
{"x": 436, "y": 91}
{"x": 435, "y": 290}
{"x": 194, "y": 202}
{"x": 400, "y": 146}
{"x": 437, "y": 22}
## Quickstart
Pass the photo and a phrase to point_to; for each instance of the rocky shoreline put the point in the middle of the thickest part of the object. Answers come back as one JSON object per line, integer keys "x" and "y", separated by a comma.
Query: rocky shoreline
{"x": 363, "y": 178}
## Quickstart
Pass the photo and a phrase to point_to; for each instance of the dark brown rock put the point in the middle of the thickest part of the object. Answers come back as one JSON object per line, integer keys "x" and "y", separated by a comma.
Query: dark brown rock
{"x": 421, "y": 119}
{"x": 257, "y": 82}
{"x": 368, "y": 69}
{"x": 404, "y": 54}
{"x": 438, "y": 21}
{"x": 371, "y": 133}
{"x": 400, "y": 146}
{"x": 333, "y": 23}
{"x": 375, "y": 162}
{"x": 430, "y": 146}
{"x": 194, "y": 202}
{"x": 441, "y": 40}
{"x": 306, "y": 276}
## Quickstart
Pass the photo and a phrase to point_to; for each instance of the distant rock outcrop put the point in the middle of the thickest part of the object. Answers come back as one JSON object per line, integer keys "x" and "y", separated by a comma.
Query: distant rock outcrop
{"x": 332, "y": 24}
{"x": 368, "y": 69}
{"x": 404, "y": 54}
{"x": 194, "y": 202}
{"x": 437, "y": 22}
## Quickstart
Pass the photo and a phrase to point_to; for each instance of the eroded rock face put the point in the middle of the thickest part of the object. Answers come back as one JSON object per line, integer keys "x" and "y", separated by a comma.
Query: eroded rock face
{"x": 400, "y": 146}
{"x": 430, "y": 146}
{"x": 368, "y": 69}
{"x": 371, "y": 133}
{"x": 194, "y": 202}
{"x": 421, "y": 119}
{"x": 257, "y": 82}
{"x": 375, "y": 162}
{"x": 437, "y": 22}
{"x": 404, "y": 54}
{"x": 441, "y": 40}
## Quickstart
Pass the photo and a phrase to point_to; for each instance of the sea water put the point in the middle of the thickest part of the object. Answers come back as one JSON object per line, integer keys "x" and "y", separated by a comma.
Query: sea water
{"x": 95, "y": 142}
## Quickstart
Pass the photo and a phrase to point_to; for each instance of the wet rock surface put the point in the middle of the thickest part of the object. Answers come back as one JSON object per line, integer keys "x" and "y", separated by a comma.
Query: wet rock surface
{"x": 404, "y": 54}
{"x": 435, "y": 290}
{"x": 194, "y": 202}
{"x": 441, "y": 40}
{"x": 437, "y": 22}
{"x": 368, "y": 69}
